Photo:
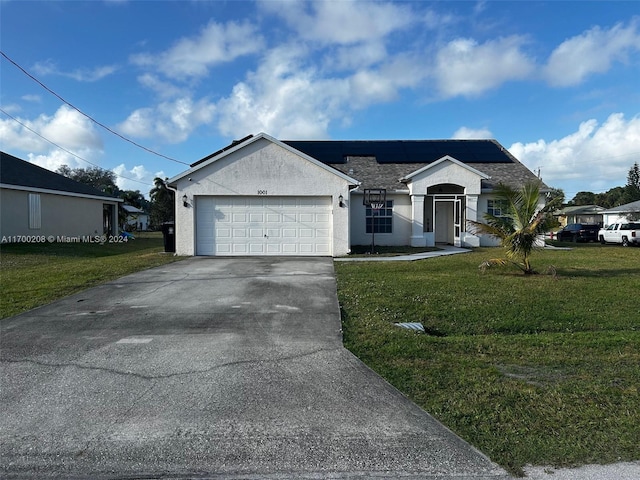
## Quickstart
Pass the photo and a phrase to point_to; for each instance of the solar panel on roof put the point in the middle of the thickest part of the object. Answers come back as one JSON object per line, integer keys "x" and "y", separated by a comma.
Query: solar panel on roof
{"x": 404, "y": 151}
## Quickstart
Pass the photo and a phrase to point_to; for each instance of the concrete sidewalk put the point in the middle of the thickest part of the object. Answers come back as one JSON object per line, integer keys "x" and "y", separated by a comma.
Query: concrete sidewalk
{"x": 210, "y": 368}
{"x": 443, "y": 250}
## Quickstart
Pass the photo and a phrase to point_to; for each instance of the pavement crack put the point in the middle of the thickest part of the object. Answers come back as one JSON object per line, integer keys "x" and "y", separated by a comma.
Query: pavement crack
{"x": 168, "y": 375}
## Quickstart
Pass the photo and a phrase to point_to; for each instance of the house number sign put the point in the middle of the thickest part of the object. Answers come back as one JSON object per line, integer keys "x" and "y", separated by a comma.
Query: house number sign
{"x": 262, "y": 192}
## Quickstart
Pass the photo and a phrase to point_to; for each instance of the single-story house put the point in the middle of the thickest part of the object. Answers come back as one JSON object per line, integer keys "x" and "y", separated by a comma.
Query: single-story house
{"x": 263, "y": 196}
{"x": 36, "y": 202}
{"x": 136, "y": 219}
{"x": 622, "y": 213}
{"x": 580, "y": 214}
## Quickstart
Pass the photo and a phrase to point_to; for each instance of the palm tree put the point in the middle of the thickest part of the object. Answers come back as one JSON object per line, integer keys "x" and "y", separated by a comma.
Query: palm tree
{"x": 520, "y": 228}
{"x": 162, "y": 203}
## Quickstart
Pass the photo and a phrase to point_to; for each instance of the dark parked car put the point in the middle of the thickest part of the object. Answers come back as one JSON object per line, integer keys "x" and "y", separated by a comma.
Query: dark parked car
{"x": 579, "y": 232}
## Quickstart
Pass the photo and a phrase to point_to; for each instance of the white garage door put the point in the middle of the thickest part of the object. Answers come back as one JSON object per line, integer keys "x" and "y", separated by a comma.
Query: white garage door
{"x": 263, "y": 226}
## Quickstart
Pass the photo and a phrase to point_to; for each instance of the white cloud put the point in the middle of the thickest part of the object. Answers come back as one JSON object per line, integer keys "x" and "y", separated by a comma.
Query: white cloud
{"x": 284, "y": 98}
{"x": 466, "y": 133}
{"x": 464, "y": 67}
{"x": 81, "y": 74}
{"x": 55, "y": 158}
{"x": 32, "y": 98}
{"x": 342, "y": 22}
{"x": 162, "y": 89}
{"x": 594, "y": 51}
{"x": 136, "y": 178}
{"x": 356, "y": 56}
{"x": 172, "y": 121}
{"x": 66, "y": 128}
{"x": 594, "y": 158}
{"x": 215, "y": 44}
{"x": 289, "y": 98}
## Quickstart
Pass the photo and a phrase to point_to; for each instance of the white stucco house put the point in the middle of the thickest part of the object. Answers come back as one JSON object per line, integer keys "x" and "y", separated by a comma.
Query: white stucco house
{"x": 621, "y": 213}
{"x": 36, "y": 202}
{"x": 264, "y": 196}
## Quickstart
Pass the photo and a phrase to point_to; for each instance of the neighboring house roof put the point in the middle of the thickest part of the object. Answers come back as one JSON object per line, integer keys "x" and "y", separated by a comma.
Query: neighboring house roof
{"x": 626, "y": 208}
{"x": 18, "y": 173}
{"x": 580, "y": 210}
{"x": 383, "y": 163}
{"x": 131, "y": 210}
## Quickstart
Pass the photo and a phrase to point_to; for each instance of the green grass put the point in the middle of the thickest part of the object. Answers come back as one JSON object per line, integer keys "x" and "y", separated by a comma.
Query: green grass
{"x": 538, "y": 369}
{"x": 36, "y": 274}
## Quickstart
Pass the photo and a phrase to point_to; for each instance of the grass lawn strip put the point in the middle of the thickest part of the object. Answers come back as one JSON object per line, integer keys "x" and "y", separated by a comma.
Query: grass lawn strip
{"x": 36, "y": 274}
{"x": 538, "y": 370}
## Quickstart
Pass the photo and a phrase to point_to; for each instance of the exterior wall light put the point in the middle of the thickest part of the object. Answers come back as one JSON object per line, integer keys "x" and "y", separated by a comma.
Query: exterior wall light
{"x": 340, "y": 201}
{"x": 185, "y": 200}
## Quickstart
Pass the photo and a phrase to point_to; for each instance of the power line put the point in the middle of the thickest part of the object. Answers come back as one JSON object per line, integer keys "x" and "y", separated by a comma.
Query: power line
{"x": 68, "y": 151}
{"x": 88, "y": 116}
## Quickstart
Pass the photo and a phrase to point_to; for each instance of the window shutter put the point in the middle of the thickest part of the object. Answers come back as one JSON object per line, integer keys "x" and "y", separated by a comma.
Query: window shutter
{"x": 35, "y": 214}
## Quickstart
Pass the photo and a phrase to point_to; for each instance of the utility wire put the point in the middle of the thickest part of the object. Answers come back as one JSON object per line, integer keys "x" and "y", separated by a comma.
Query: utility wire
{"x": 89, "y": 117}
{"x": 69, "y": 152}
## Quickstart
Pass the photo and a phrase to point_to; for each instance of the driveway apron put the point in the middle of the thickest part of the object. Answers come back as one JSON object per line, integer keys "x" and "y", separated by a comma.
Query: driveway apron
{"x": 209, "y": 368}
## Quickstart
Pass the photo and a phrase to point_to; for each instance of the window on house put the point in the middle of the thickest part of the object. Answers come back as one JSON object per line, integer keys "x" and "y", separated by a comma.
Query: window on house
{"x": 498, "y": 208}
{"x": 382, "y": 222}
{"x": 35, "y": 214}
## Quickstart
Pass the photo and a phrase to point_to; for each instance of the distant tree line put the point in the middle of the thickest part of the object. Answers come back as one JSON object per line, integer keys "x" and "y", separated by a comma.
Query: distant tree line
{"x": 614, "y": 196}
{"x": 160, "y": 208}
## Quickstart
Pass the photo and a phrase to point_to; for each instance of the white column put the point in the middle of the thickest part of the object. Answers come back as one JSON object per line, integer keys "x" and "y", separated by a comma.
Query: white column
{"x": 469, "y": 239}
{"x": 472, "y": 209}
{"x": 417, "y": 221}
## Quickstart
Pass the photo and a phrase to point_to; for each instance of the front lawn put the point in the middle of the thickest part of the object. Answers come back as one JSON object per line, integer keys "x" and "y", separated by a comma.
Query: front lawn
{"x": 538, "y": 369}
{"x": 36, "y": 274}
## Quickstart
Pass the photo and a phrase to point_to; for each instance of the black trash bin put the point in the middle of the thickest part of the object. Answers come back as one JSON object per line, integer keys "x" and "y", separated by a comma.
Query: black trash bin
{"x": 169, "y": 235}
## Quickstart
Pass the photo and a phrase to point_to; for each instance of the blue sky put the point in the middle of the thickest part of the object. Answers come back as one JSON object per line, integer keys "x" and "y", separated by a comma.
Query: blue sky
{"x": 557, "y": 83}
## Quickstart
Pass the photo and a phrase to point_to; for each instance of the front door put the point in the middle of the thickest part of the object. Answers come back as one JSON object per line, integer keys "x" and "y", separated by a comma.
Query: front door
{"x": 444, "y": 222}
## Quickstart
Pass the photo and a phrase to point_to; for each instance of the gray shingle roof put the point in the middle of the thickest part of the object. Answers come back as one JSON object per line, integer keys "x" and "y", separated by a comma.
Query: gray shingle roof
{"x": 626, "y": 208}
{"x": 382, "y": 163}
{"x": 14, "y": 171}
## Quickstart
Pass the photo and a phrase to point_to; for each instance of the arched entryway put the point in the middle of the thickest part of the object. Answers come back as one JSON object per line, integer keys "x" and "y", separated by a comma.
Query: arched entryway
{"x": 444, "y": 212}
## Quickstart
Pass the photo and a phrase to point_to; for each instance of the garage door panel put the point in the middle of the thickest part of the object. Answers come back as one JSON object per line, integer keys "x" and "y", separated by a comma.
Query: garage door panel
{"x": 274, "y": 248}
{"x": 263, "y": 226}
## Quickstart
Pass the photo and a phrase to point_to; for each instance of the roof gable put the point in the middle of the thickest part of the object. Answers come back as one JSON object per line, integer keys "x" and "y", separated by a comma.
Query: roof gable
{"x": 444, "y": 159}
{"x": 248, "y": 140}
{"x": 20, "y": 173}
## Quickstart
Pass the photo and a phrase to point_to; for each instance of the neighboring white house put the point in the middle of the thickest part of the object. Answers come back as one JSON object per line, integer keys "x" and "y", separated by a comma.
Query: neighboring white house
{"x": 621, "y": 213}
{"x": 136, "y": 219}
{"x": 263, "y": 196}
{"x": 35, "y": 202}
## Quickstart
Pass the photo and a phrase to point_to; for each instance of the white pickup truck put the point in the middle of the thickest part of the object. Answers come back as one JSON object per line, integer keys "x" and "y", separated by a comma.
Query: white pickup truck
{"x": 624, "y": 233}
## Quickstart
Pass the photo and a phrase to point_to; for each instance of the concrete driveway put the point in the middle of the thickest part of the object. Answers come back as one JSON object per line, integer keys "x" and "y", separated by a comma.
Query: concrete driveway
{"x": 209, "y": 368}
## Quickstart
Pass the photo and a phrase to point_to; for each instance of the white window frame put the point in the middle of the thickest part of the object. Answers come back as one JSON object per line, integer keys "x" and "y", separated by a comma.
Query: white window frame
{"x": 385, "y": 214}
{"x": 496, "y": 207}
